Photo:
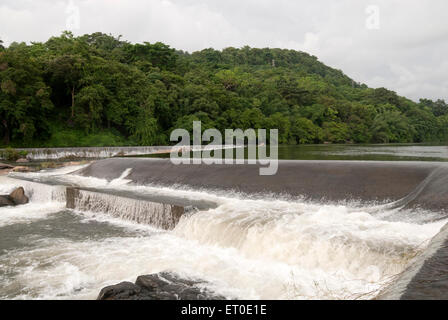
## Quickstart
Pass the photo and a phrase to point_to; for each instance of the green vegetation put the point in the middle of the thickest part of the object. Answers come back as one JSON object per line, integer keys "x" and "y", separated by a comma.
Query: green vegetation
{"x": 99, "y": 90}
{"x": 68, "y": 137}
{"x": 10, "y": 154}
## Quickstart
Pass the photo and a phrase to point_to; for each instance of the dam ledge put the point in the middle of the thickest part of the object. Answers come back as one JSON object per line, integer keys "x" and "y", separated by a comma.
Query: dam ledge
{"x": 37, "y": 154}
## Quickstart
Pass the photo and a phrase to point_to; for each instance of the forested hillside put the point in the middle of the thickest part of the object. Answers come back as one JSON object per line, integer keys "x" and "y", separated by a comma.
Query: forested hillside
{"x": 100, "y": 90}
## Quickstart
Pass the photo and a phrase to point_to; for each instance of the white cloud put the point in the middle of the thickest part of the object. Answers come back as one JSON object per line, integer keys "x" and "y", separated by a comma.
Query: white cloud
{"x": 407, "y": 53}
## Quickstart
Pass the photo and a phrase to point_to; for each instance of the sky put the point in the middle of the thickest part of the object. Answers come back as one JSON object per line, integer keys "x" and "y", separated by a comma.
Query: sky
{"x": 398, "y": 44}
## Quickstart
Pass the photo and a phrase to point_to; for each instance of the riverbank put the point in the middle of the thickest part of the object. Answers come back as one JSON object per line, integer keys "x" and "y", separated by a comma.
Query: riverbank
{"x": 6, "y": 168}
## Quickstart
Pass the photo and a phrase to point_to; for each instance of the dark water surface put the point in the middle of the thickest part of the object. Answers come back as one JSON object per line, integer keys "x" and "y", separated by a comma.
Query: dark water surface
{"x": 374, "y": 152}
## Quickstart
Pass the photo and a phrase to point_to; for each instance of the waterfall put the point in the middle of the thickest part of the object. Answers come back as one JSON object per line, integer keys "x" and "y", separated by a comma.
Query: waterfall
{"x": 106, "y": 152}
{"x": 36, "y": 192}
{"x": 244, "y": 246}
{"x": 91, "y": 152}
{"x": 160, "y": 215}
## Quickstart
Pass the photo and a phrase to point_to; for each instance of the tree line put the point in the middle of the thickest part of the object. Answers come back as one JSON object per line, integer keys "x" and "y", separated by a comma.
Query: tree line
{"x": 98, "y": 89}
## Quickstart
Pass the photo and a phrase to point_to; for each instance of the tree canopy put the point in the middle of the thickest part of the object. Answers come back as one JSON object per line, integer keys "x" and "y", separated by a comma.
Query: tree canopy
{"x": 101, "y": 86}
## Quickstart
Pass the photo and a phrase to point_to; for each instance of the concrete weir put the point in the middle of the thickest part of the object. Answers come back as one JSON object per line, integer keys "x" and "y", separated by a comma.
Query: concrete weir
{"x": 89, "y": 152}
{"x": 414, "y": 184}
{"x": 402, "y": 185}
{"x": 157, "y": 214}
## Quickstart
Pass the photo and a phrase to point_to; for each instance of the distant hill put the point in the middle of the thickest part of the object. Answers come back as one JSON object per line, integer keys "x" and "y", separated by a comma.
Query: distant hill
{"x": 100, "y": 90}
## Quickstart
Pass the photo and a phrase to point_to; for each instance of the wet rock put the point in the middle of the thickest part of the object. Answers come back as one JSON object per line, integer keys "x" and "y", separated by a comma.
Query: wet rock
{"x": 6, "y": 201}
{"x": 5, "y": 166}
{"x": 4, "y": 172}
{"x": 159, "y": 286}
{"x": 121, "y": 291}
{"x": 22, "y": 160}
{"x": 22, "y": 169}
{"x": 74, "y": 163}
{"x": 18, "y": 196}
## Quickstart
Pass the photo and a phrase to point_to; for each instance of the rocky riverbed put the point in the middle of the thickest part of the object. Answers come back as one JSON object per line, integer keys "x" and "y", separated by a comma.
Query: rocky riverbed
{"x": 159, "y": 286}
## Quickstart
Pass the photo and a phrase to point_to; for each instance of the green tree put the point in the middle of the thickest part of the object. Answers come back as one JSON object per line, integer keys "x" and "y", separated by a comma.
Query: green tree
{"x": 24, "y": 97}
{"x": 99, "y": 89}
{"x": 304, "y": 131}
{"x": 67, "y": 70}
{"x": 391, "y": 126}
{"x": 337, "y": 132}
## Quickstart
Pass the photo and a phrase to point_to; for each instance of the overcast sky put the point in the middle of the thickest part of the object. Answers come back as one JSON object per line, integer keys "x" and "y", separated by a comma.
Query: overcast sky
{"x": 397, "y": 44}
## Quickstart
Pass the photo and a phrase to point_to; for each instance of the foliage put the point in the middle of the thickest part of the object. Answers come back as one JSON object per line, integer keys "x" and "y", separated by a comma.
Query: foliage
{"x": 100, "y": 90}
{"x": 10, "y": 154}
{"x": 63, "y": 137}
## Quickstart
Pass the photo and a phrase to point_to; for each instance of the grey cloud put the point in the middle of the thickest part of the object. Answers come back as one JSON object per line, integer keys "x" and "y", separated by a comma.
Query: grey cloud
{"x": 407, "y": 53}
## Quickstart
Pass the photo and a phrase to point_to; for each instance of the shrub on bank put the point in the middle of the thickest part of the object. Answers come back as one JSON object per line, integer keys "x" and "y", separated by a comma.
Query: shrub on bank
{"x": 11, "y": 154}
{"x": 78, "y": 138}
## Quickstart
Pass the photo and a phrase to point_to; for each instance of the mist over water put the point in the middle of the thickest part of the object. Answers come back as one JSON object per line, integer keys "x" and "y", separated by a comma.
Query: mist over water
{"x": 244, "y": 247}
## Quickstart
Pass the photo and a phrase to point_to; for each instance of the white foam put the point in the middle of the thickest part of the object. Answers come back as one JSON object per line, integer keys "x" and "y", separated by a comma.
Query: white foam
{"x": 44, "y": 200}
{"x": 333, "y": 239}
{"x": 121, "y": 179}
{"x": 245, "y": 248}
{"x": 36, "y": 192}
{"x": 161, "y": 215}
{"x": 28, "y": 213}
{"x": 47, "y": 172}
{"x": 68, "y": 270}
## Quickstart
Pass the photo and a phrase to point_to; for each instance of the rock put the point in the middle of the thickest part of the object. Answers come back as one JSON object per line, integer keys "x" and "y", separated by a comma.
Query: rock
{"x": 72, "y": 163}
{"x": 159, "y": 286}
{"x": 6, "y": 201}
{"x": 121, "y": 291}
{"x": 18, "y": 196}
{"x": 22, "y": 160}
{"x": 5, "y": 166}
{"x": 58, "y": 164}
{"x": 21, "y": 169}
{"x": 15, "y": 198}
{"x": 4, "y": 172}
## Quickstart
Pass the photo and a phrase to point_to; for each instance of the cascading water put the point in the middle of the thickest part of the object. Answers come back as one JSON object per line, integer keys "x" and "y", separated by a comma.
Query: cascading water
{"x": 243, "y": 247}
{"x": 37, "y": 192}
{"x": 104, "y": 152}
{"x": 90, "y": 152}
{"x": 160, "y": 215}
{"x": 44, "y": 200}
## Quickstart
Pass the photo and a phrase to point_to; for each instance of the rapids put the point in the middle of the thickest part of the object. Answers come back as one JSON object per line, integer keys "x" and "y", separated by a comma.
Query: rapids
{"x": 245, "y": 246}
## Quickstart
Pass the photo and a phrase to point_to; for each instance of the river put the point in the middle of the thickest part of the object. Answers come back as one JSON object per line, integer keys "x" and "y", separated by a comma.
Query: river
{"x": 244, "y": 246}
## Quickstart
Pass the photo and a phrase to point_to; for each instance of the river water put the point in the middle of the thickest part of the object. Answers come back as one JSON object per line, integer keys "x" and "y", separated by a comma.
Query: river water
{"x": 377, "y": 152}
{"x": 244, "y": 247}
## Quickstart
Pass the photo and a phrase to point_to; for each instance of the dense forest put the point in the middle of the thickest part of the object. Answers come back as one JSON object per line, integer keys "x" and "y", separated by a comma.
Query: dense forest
{"x": 100, "y": 90}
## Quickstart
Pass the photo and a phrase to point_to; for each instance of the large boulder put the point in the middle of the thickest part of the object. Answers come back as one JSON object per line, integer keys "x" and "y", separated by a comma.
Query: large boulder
{"x": 5, "y": 166}
{"x": 22, "y": 169}
{"x": 18, "y": 196}
{"x": 15, "y": 198}
{"x": 6, "y": 201}
{"x": 159, "y": 286}
{"x": 4, "y": 172}
{"x": 122, "y": 291}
